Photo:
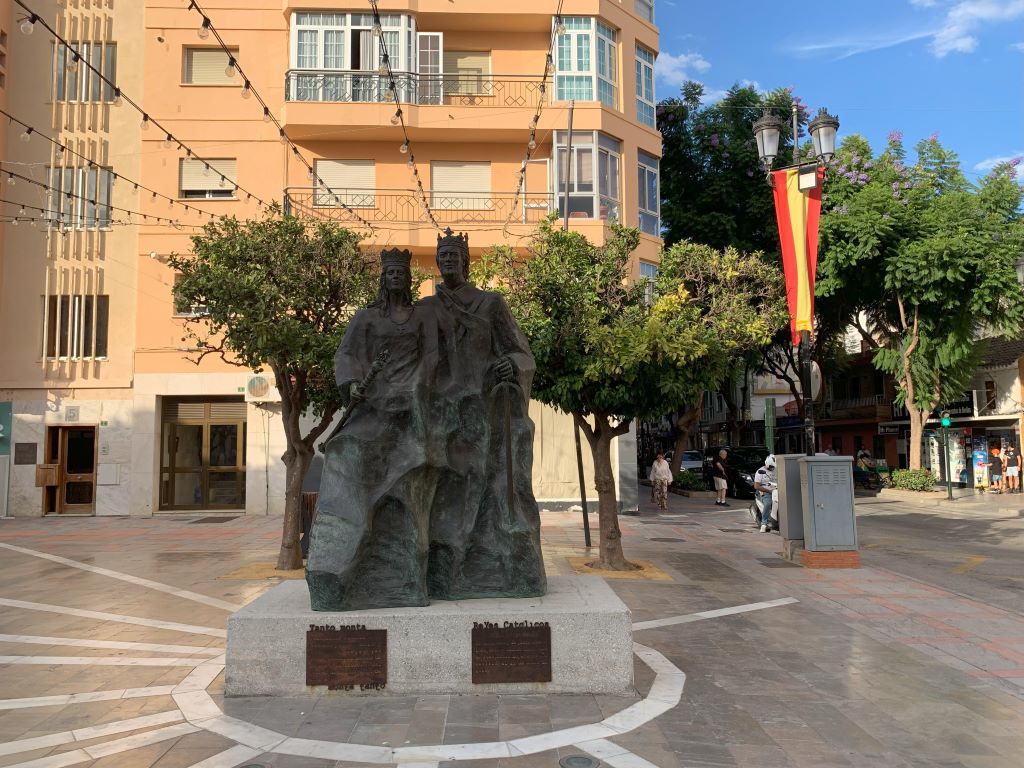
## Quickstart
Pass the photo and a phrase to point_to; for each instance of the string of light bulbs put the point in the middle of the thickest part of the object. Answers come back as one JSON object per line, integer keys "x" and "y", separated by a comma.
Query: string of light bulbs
{"x": 399, "y": 118}
{"x": 27, "y": 25}
{"x": 531, "y": 145}
{"x": 206, "y": 29}
{"x": 29, "y": 131}
{"x": 13, "y": 178}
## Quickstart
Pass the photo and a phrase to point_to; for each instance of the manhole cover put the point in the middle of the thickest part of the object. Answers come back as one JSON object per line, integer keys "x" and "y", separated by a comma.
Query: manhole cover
{"x": 665, "y": 538}
{"x": 578, "y": 761}
{"x": 217, "y": 519}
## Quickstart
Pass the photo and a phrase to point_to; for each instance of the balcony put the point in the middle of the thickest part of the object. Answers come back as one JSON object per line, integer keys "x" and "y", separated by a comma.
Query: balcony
{"x": 401, "y": 206}
{"x": 870, "y": 407}
{"x": 459, "y": 90}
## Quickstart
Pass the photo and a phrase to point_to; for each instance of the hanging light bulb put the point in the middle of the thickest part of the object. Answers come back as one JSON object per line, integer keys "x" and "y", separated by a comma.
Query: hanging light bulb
{"x": 204, "y": 31}
{"x": 559, "y": 26}
{"x": 145, "y": 121}
{"x": 411, "y": 162}
{"x": 266, "y": 114}
{"x": 396, "y": 118}
{"x": 376, "y": 29}
{"x": 549, "y": 65}
{"x": 222, "y": 182}
{"x": 168, "y": 141}
{"x": 14, "y": 221}
{"x": 22, "y": 211}
{"x": 230, "y": 69}
{"x": 60, "y": 150}
{"x": 246, "y": 90}
{"x": 118, "y": 101}
{"x": 11, "y": 180}
{"x": 532, "y": 145}
{"x": 72, "y": 63}
{"x": 26, "y": 135}
{"x": 284, "y": 138}
{"x": 28, "y": 24}
{"x": 404, "y": 148}
{"x": 206, "y": 169}
{"x": 383, "y": 68}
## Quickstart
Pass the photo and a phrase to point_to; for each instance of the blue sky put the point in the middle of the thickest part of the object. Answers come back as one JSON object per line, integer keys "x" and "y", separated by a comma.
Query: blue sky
{"x": 952, "y": 67}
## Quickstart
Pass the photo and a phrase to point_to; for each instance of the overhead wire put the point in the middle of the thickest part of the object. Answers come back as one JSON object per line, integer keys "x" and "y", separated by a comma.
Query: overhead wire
{"x": 119, "y": 96}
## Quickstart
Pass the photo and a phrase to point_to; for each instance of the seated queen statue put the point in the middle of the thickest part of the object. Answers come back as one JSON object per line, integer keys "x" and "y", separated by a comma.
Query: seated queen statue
{"x": 370, "y": 539}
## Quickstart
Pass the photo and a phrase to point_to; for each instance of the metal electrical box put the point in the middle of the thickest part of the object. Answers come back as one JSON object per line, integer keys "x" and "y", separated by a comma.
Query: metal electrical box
{"x": 826, "y": 486}
{"x": 791, "y": 503}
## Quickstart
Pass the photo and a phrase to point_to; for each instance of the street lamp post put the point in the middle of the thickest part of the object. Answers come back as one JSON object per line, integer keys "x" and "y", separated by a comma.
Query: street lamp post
{"x": 945, "y": 421}
{"x": 767, "y": 132}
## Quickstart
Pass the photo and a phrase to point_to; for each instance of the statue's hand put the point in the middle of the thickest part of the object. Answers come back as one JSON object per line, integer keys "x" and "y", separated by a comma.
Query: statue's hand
{"x": 356, "y": 393}
{"x": 504, "y": 370}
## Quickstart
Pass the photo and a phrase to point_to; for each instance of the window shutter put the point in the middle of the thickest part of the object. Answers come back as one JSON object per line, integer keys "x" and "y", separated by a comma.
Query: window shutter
{"x": 351, "y": 181}
{"x": 205, "y": 66}
{"x": 193, "y": 177}
{"x": 460, "y": 186}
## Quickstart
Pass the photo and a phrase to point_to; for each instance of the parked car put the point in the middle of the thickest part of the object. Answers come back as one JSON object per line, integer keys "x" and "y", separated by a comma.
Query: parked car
{"x": 743, "y": 461}
{"x": 692, "y": 460}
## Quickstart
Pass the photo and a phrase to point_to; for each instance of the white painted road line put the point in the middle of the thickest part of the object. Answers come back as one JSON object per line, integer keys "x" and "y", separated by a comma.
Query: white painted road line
{"x": 101, "y": 616}
{"x": 717, "y": 613}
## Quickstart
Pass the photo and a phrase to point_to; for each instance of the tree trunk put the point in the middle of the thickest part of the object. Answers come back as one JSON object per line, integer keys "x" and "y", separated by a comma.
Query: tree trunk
{"x": 917, "y": 421}
{"x": 684, "y": 438}
{"x": 610, "y": 537}
{"x": 296, "y": 461}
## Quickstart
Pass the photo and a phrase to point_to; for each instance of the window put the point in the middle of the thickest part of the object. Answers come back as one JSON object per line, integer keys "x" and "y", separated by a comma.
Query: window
{"x": 76, "y": 326}
{"x": 208, "y": 66}
{"x": 644, "y": 9}
{"x": 80, "y": 197}
{"x": 347, "y": 54}
{"x": 466, "y": 72}
{"x": 647, "y": 189}
{"x": 648, "y": 273}
{"x": 351, "y": 182}
{"x": 183, "y": 308}
{"x": 595, "y": 157}
{"x": 587, "y": 61}
{"x": 460, "y": 186}
{"x": 207, "y": 179}
{"x": 79, "y": 83}
{"x": 645, "y": 86}
{"x": 990, "y": 395}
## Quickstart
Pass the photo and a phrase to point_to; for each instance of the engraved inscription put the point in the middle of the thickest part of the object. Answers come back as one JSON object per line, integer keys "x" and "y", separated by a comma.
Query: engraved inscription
{"x": 513, "y": 652}
{"x": 347, "y": 657}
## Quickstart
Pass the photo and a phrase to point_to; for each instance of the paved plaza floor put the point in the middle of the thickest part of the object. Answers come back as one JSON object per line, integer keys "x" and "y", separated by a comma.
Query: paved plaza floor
{"x": 112, "y": 633}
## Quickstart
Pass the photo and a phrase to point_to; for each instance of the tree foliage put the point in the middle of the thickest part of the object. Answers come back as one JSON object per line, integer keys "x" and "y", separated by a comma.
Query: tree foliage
{"x": 928, "y": 257}
{"x": 609, "y": 350}
{"x": 278, "y": 292}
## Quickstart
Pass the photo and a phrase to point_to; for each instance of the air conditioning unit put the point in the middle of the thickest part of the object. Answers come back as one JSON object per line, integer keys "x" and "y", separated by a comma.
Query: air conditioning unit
{"x": 261, "y": 389}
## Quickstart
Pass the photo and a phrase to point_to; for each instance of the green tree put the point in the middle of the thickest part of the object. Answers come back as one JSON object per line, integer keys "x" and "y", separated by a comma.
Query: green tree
{"x": 278, "y": 292}
{"x": 609, "y": 351}
{"x": 930, "y": 260}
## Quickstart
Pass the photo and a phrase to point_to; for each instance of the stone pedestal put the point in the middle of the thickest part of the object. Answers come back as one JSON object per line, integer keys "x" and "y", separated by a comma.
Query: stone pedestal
{"x": 429, "y": 650}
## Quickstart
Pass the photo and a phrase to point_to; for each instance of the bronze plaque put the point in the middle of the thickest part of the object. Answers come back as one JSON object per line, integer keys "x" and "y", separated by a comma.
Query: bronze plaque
{"x": 512, "y": 652}
{"x": 346, "y": 657}
{"x": 25, "y": 453}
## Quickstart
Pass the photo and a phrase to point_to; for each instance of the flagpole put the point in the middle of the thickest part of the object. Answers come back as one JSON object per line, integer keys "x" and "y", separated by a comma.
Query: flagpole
{"x": 804, "y": 350}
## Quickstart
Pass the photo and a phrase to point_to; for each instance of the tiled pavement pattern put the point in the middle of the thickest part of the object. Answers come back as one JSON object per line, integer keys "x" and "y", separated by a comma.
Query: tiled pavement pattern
{"x": 869, "y": 668}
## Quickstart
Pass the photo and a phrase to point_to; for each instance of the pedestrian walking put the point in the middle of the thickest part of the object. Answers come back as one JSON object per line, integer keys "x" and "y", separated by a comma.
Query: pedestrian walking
{"x": 995, "y": 471}
{"x": 660, "y": 477}
{"x": 1012, "y": 461}
{"x": 720, "y": 476}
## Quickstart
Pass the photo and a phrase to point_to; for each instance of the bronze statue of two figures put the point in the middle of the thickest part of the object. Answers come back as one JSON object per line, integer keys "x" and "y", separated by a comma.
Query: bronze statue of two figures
{"x": 427, "y": 490}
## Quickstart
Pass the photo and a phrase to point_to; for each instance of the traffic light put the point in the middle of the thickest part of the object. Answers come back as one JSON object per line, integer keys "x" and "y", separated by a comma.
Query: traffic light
{"x": 945, "y": 418}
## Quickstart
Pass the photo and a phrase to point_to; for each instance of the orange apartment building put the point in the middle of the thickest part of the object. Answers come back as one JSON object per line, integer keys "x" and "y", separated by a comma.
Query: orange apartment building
{"x": 106, "y": 413}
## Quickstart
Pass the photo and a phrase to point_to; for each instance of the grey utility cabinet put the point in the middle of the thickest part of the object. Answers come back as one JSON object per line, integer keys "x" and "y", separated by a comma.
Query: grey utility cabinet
{"x": 826, "y": 486}
{"x": 791, "y": 503}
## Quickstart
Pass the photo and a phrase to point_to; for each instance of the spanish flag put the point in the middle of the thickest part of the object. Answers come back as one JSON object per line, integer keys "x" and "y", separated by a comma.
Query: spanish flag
{"x": 798, "y": 213}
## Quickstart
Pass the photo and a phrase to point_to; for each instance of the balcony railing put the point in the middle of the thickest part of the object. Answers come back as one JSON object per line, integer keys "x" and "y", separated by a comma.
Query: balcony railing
{"x": 858, "y": 402}
{"x": 347, "y": 86}
{"x": 378, "y": 206}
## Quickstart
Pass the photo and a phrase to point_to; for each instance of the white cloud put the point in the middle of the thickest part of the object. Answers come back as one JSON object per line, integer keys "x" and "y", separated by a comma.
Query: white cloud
{"x": 1018, "y": 46}
{"x": 847, "y": 46}
{"x": 923, "y": 3}
{"x": 964, "y": 18}
{"x": 675, "y": 70}
{"x": 989, "y": 163}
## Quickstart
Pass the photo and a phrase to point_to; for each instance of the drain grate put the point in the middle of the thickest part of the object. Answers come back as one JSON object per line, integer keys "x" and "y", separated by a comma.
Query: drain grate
{"x": 216, "y": 519}
{"x": 771, "y": 562}
{"x": 578, "y": 761}
{"x": 664, "y": 538}
{"x": 734, "y": 530}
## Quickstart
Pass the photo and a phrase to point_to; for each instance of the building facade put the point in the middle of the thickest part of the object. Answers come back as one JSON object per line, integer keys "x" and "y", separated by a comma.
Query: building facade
{"x": 109, "y": 413}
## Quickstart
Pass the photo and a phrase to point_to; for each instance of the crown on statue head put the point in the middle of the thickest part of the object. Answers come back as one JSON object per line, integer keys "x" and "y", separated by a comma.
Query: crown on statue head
{"x": 460, "y": 241}
{"x": 395, "y": 257}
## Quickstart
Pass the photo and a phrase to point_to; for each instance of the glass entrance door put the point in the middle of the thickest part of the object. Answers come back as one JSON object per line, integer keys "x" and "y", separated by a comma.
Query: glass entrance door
{"x": 203, "y": 456}
{"x": 77, "y": 489}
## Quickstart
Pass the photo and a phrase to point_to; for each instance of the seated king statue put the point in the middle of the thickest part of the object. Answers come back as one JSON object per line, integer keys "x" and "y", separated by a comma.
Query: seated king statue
{"x": 427, "y": 487}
